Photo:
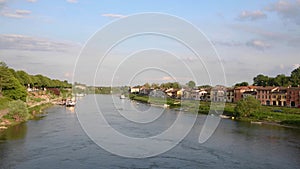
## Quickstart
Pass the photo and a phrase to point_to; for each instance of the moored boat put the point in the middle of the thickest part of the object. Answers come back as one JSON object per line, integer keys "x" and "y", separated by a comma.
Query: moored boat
{"x": 122, "y": 96}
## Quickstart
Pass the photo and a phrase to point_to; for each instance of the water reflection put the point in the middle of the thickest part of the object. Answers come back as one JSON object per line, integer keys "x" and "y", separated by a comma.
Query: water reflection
{"x": 14, "y": 132}
{"x": 71, "y": 109}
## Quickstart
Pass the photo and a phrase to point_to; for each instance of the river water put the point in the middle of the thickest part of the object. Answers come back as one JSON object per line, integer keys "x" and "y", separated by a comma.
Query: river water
{"x": 58, "y": 141}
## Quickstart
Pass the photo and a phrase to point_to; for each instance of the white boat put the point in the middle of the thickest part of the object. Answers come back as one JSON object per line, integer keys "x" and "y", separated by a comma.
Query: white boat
{"x": 70, "y": 103}
{"x": 224, "y": 116}
{"x": 256, "y": 122}
{"x": 122, "y": 96}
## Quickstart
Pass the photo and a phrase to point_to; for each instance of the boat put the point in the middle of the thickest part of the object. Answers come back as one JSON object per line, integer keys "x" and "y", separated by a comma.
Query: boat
{"x": 256, "y": 122}
{"x": 70, "y": 103}
{"x": 122, "y": 96}
{"x": 224, "y": 116}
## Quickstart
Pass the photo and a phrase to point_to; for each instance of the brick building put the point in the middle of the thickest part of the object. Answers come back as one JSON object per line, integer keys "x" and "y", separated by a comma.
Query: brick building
{"x": 293, "y": 94}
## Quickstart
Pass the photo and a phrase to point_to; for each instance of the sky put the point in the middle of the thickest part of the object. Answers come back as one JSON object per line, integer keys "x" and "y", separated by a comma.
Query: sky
{"x": 236, "y": 40}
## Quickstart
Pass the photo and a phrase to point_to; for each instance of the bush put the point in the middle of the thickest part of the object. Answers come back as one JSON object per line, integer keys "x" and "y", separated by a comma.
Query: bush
{"x": 246, "y": 107}
{"x": 18, "y": 110}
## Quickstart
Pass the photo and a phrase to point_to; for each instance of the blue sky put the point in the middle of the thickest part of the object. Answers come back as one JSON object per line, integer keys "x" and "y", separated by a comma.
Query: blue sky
{"x": 251, "y": 37}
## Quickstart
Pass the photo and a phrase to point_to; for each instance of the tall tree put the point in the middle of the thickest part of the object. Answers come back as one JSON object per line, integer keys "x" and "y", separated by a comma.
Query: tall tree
{"x": 147, "y": 85}
{"x": 295, "y": 77}
{"x": 261, "y": 80}
{"x": 281, "y": 80}
{"x": 23, "y": 77}
{"x": 9, "y": 84}
{"x": 191, "y": 84}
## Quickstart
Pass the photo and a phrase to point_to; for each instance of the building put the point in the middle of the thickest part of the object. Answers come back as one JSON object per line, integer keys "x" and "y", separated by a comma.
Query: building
{"x": 230, "y": 95}
{"x": 180, "y": 93}
{"x": 171, "y": 92}
{"x": 202, "y": 94}
{"x": 134, "y": 90}
{"x": 157, "y": 93}
{"x": 278, "y": 97}
{"x": 264, "y": 94}
{"x": 249, "y": 93}
{"x": 293, "y": 94}
{"x": 144, "y": 91}
{"x": 238, "y": 92}
{"x": 218, "y": 94}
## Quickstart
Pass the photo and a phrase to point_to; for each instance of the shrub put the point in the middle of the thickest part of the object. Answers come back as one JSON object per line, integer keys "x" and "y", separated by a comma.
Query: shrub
{"x": 247, "y": 106}
{"x": 18, "y": 110}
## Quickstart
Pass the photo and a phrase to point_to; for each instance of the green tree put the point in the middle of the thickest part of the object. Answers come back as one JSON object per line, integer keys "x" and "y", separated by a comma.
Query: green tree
{"x": 191, "y": 84}
{"x": 5, "y": 76}
{"x": 154, "y": 85}
{"x": 147, "y": 85}
{"x": 18, "y": 110}
{"x": 242, "y": 84}
{"x": 23, "y": 78}
{"x": 176, "y": 85}
{"x": 246, "y": 107}
{"x": 9, "y": 85}
{"x": 281, "y": 80}
{"x": 295, "y": 77}
{"x": 42, "y": 81}
{"x": 15, "y": 91}
{"x": 261, "y": 80}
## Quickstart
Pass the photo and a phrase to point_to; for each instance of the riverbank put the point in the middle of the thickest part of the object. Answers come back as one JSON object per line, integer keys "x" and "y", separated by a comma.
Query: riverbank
{"x": 35, "y": 106}
{"x": 282, "y": 116}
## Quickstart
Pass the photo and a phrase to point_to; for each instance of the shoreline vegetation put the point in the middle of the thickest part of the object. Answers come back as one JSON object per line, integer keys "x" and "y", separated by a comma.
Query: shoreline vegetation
{"x": 33, "y": 109}
{"x": 271, "y": 115}
{"x": 24, "y": 96}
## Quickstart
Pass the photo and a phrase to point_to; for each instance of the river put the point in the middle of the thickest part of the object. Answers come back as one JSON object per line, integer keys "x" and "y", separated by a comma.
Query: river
{"x": 58, "y": 141}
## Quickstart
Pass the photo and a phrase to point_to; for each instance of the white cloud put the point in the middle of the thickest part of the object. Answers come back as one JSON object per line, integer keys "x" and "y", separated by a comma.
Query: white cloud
{"x": 227, "y": 43}
{"x": 252, "y": 15}
{"x": 258, "y": 44}
{"x": 16, "y": 14}
{"x": 72, "y": 1}
{"x": 287, "y": 10}
{"x": 114, "y": 15}
{"x": 32, "y": 1}
{"x": 22, "y": 42}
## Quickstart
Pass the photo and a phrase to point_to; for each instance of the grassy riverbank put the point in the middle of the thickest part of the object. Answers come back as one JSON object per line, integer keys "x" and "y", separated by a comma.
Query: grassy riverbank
{"x": 267, "y": 114}
{"x": 34, "y": 106}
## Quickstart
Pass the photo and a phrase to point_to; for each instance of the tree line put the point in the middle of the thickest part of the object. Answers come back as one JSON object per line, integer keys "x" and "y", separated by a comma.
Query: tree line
{"x": 279, "y": 80}
{"x": 13, "y": 83}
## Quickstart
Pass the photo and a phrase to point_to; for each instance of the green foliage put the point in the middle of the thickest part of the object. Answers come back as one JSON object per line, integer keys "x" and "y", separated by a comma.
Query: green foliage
{"x": 204, "y": 86}
{"x": 241, "y": 84}
{"x": 18, "y": 110}
{"x": 168, "y": 85}
{"x": 261, "y": 80}
{"x": 191, "y": 84}
{"x": 12, "y": 83}
{"x": 9, "y": 84}
{"x": 279, "y": 80}
{"x": 23, "y": 78}
{"x": 155, "y": 85}
{"x": 247, "y": 106}
{"x": 17, "y": 92}
{"x": 147, "y": 85}
{"x": 295, "y": 77}
{"x": 4, "y": 102}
